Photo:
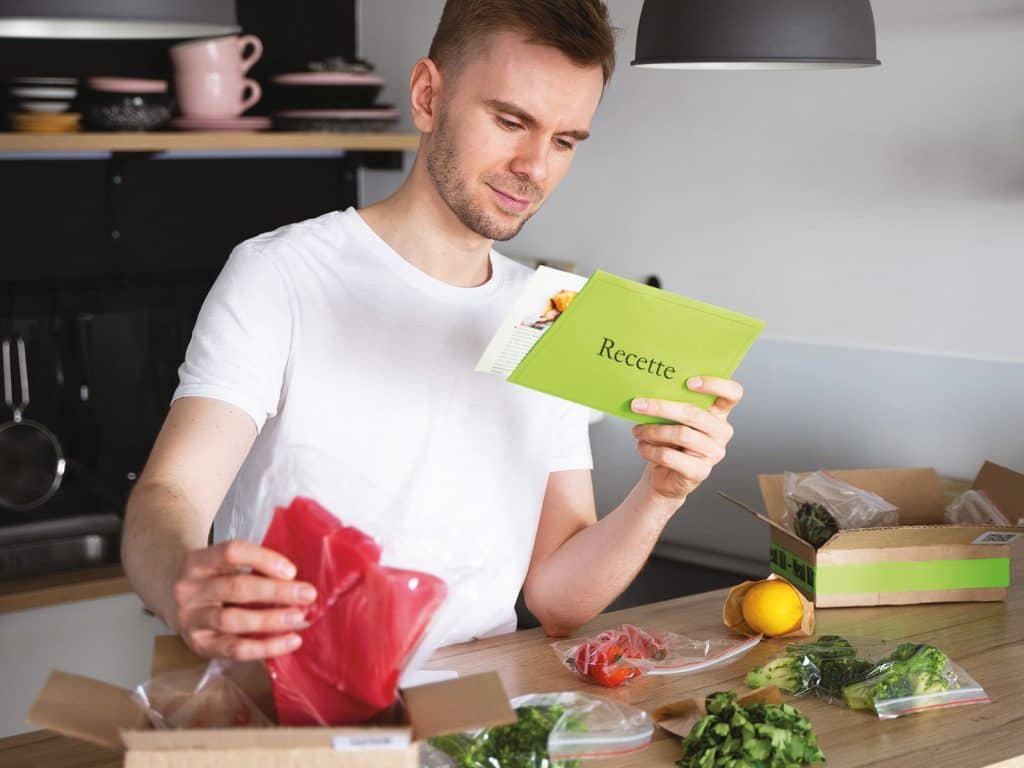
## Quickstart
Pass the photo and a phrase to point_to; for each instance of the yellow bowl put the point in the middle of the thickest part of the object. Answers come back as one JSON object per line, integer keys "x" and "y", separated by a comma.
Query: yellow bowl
{"x": 42, "y": 122}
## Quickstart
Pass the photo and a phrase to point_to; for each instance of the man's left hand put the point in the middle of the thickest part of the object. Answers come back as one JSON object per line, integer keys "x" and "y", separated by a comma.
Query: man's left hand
{"x": 680, "y": 456}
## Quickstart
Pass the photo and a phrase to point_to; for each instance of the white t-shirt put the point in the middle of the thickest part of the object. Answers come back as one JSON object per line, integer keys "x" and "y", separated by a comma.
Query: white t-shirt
{"x": 357, "y": 369}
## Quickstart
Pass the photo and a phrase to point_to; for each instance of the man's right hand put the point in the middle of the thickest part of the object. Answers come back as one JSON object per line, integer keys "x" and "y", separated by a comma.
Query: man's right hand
{"x": 215, "y": 590}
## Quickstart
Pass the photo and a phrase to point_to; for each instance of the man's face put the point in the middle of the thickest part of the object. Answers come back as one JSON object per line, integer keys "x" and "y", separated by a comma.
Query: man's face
{"x": 507, "y": 130}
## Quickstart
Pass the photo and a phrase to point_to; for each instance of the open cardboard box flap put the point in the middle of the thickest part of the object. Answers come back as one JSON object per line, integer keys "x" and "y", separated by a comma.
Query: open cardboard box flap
{"x": 917, "y": 493}
{"x": 920, "y": 499}
{"x": 1005, "y": 487}
{"x": 107, "y": 715}
{"x": 86, "y": 709}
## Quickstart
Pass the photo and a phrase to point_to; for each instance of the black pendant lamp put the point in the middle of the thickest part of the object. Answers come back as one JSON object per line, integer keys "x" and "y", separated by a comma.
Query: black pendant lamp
{"x": 756, "y": 34}
{"x": 117, "y": 19}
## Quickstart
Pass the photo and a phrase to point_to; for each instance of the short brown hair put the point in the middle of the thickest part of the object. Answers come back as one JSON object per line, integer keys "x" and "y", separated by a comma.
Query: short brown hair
{"x": 578, "y": 28}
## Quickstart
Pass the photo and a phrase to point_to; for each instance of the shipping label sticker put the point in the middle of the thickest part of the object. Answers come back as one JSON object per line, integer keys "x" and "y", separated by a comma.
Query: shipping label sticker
{"x": 996, "y": 537}
{"x": 362, "y": 741}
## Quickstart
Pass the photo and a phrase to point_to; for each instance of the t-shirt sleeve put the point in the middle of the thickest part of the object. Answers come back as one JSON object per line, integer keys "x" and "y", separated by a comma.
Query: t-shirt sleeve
{"x": 572, "y": 448}
{"x": 240, "y": 344}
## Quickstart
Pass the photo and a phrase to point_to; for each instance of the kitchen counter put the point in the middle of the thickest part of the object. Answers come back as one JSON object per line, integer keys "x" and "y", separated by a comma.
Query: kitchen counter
{"x": 65, "y": 587}
{"x": 985, "y": 638}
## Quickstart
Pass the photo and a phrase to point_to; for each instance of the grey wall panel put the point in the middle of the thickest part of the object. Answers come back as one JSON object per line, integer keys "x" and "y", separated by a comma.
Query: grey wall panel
{"x": 812, "y": 406}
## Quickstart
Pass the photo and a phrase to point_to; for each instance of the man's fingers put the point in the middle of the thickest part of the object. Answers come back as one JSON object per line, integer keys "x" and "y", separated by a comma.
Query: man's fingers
{"x": 692, "y": 468}
{"x": 727, "y": 392}
{"x": 209, "y": 644}
{"x": 243, "y": 588}
{"x": 712, "y": 385}
{"x": 245, "y": 649}
{"x": 681, "y": 436}
{"x": 234, "y": 620}
{"x": 694, "y": 416}
{"x": 235, "y": 555}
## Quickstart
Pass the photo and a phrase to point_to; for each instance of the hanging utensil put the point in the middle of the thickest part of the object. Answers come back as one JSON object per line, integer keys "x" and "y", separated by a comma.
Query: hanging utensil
{"x": 31, "y": 460}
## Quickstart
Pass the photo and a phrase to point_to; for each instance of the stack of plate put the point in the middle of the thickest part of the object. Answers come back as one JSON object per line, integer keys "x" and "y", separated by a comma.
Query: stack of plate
{"x": 329, "y": 101}
{"x": 43, "y": 104}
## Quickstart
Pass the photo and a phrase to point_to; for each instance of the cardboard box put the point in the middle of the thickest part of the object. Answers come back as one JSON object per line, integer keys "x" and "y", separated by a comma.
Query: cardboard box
{"x": 921, "y": 561}
{"x": 106, "y": 715}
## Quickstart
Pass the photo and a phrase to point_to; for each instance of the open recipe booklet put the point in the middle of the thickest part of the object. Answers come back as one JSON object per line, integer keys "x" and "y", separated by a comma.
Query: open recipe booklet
{"x": 604, "y": 341}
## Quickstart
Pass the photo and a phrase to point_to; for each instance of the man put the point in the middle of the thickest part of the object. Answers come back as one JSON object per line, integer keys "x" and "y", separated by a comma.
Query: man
{"x": 357, "y": 332}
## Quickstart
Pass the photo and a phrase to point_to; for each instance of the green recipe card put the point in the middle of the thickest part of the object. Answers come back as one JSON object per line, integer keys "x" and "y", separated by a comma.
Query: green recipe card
{"x": 604, "y": 341}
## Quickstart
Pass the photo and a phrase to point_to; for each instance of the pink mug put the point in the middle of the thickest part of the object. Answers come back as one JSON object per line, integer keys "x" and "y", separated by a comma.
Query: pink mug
{"x": 215, "y": 95}
{"x": 209, "y": 75}
{"x": 217, "y": 54}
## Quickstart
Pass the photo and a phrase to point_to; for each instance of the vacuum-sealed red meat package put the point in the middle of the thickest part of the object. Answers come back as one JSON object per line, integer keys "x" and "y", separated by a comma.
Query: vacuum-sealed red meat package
{"x": 366, "y": 621}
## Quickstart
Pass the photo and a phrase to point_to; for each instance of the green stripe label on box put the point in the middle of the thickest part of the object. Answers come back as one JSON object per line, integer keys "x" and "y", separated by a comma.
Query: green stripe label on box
{"x": 918, "y": 576}
{"x": 792, "y": 568}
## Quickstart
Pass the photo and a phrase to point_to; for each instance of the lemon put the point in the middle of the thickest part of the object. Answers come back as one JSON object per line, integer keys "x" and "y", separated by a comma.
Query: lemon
{"x": 772, "y": 607}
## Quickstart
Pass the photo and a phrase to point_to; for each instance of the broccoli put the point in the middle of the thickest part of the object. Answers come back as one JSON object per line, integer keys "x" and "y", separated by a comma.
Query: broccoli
{"x": 815, "y": 524}
{"x": 912, "y": 669}
{"x": 834, "y": 663}
{"x": 787, "y": 672}
{"x": 825, "y": 647}
{"x": 824, "y": 666}
{"x": 830, "y": 667}
{"x": 835, "y": 674}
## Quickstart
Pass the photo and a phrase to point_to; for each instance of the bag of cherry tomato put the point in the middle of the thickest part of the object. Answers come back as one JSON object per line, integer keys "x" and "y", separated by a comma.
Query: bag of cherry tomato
{"x": 618, "y": 655}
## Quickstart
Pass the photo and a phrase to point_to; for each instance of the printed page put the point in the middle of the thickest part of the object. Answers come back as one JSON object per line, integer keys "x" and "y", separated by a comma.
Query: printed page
{"x": 547, "y": 295}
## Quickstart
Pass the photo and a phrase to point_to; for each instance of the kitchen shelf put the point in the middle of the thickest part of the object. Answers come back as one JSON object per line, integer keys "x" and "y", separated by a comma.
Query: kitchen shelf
{"x": 191, "y": 141}
{"x": 84, "y": 584}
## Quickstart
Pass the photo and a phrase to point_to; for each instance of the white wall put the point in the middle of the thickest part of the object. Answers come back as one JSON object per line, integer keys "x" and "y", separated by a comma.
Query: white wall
{"x": 854, "y": 210}
{"x": 876, "y": 207}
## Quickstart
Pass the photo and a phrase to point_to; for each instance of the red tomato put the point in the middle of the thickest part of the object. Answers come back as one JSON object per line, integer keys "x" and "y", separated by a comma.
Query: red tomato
{"x": 601, "y": 663}
{"x": 615, "y": 676}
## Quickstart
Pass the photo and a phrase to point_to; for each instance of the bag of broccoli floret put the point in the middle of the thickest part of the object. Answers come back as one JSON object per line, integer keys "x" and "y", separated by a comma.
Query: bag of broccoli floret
{"x": 819, "y": 505}
{"x": 888, "y": 678}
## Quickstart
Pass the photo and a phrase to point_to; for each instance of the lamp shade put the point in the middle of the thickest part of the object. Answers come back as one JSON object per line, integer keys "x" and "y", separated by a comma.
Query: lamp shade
{"x": 117, "y": 19}
{"x": 756, "y": 34}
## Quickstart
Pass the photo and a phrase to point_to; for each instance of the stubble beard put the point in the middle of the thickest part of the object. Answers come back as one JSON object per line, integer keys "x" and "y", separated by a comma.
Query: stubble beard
{"x": 444, "y": 169}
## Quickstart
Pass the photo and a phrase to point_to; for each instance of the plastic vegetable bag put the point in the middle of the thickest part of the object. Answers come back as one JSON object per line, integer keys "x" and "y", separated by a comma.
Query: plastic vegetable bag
{"x": 974, "y": 508}
{"x": 406, "y": 533}
{"x": 554, "y": 730}
{"x": 364, "y": 625}
{"x": 819, "y": 505}
{"x": 888, "y": 678}
{"x": 615, "y": 656}
{"x": 199, "y": 697}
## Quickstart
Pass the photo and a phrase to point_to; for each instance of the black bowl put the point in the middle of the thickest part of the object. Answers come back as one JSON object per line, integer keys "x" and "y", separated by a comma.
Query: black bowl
{"x": 121, "y": 104}
{"x": 126, "y": 112}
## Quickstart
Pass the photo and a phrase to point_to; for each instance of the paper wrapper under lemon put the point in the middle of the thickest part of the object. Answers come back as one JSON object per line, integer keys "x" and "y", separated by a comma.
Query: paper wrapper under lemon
{"x": 732, "y": 611}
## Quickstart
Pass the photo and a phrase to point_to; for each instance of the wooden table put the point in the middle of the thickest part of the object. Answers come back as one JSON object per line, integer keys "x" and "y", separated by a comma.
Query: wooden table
{"x": 985, "y": 638}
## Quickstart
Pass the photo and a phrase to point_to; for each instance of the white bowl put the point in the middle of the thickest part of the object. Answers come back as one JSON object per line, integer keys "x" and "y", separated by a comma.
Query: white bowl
{"x": 52, "y": 107}
{"x": 42, "y": 92}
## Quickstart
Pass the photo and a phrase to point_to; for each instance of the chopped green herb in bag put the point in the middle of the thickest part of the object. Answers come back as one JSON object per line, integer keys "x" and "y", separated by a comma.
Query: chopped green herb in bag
{"x": 521, "y": 745}
{"x": 731, "y": 735}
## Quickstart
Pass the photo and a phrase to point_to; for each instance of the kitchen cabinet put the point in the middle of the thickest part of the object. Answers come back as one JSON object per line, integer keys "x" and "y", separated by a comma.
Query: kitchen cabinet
{"x": 113, "y": 240}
